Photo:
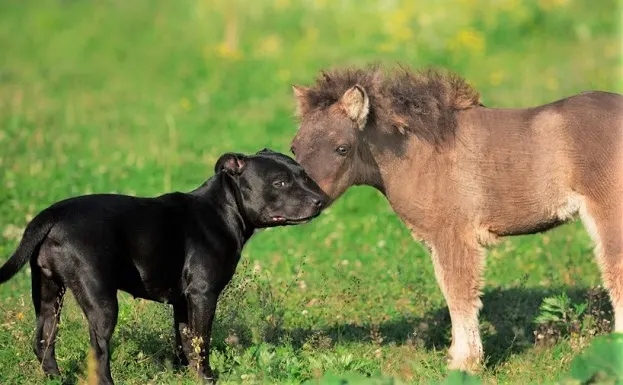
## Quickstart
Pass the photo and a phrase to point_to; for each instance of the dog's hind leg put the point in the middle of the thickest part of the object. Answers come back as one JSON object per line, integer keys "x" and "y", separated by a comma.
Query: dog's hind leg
{"x": 98, "y": 300}
{"x": 47, "y": 298}
{"x": 604, "y": 223}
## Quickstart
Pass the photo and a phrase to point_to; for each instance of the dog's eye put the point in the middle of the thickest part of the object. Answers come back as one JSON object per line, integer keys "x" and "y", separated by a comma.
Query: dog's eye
{"x": 279, "y": 183}
{"x": 342, "y": 150}
{"x": 292, "y": 151}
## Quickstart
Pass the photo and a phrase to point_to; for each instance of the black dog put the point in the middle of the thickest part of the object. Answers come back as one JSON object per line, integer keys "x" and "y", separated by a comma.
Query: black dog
{"x": 178, "y": 248}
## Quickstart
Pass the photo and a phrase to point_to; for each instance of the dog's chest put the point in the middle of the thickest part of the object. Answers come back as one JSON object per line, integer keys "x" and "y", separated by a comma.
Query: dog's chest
{"x": 151, "y": 283}
{"x": 160, "y": 294}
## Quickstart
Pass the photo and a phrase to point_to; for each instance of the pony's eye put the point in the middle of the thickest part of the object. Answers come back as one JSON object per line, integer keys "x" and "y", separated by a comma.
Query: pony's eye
{"x": 279, "y": 183}
{"x": 342, "y": 150}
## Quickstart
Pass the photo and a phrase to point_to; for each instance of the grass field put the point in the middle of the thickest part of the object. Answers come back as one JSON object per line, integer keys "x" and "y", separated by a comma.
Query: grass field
{"x": 141, "y": 97}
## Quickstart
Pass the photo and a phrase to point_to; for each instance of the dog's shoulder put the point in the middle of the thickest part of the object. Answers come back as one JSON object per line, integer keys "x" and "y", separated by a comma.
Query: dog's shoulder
{"x": 182, "y": 204}
{"x": 173, "y": 199}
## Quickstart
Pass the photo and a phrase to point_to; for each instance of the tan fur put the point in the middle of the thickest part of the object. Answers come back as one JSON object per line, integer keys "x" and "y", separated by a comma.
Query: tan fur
{"x": 461, "y": 175}
{"x": 356, "y": 105}
{"x": 301, "y": 105}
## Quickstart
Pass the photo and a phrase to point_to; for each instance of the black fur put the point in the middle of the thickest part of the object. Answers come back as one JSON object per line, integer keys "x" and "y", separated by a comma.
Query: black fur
{"x": 178, "y": 248}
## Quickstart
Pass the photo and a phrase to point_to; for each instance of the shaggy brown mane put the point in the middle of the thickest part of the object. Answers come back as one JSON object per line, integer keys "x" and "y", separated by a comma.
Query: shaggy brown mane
{"x": 421, "y": 102}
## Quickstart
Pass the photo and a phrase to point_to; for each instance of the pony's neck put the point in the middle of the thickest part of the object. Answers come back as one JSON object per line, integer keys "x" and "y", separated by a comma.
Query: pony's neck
{"x": 390, "y": 162}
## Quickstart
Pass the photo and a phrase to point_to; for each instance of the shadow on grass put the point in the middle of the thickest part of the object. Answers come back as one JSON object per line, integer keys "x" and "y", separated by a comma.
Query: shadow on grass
{"x": 73, "y": 369}
{"x": 148, "y": 341}
{"x": 507, "y": 325}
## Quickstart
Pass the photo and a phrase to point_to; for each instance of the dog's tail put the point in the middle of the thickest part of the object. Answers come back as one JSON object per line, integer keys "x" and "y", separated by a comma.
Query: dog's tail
{"x": 34, "y": 235}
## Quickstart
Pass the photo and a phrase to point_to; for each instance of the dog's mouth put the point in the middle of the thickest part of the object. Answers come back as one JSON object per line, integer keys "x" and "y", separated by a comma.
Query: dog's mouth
{"x": 281, "y": 220}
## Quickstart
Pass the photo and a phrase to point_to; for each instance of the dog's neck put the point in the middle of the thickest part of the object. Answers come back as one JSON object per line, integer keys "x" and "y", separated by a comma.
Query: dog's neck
{"x": 221, "y": 193}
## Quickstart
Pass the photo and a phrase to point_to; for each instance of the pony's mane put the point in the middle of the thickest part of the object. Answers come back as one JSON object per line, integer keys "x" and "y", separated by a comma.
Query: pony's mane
{"x": 422, "y": 102}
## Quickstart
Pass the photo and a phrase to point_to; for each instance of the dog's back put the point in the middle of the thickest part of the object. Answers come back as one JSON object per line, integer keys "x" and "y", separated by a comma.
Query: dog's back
{"x": 119, "y": 236}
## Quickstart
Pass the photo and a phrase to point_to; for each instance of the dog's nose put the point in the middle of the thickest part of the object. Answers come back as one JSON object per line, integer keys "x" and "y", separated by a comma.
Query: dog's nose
{"x": 318, "y": 202}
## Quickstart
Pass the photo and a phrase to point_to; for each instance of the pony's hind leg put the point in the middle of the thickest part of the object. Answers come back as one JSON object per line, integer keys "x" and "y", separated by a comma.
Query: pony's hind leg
{"x": 604, "y": 223}
{"x": 47, "y": 298}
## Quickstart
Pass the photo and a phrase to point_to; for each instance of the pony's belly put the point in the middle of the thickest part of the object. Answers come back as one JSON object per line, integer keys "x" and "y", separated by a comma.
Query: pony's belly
{"x": 535, "y": 220}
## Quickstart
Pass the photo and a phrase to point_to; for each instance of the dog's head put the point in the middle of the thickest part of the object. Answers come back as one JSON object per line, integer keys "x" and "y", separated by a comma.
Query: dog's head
{"x": 274, "y": 190}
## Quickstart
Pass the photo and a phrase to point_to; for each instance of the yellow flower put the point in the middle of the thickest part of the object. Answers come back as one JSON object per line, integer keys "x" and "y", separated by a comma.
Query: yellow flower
{"x": 282, "y": 4}
{"x": 311, "y": 34}
{"x": 551, "y": 83}
{"x": 549, "y": 4}
{"x": 469, "y": 39}
{"x": 387, "y": 47}
{"x": 270, "y": 46}
{"x": 398, "y": 18}
{"x": 284, "y": 75}
{"x": 185, "y": 104}
{"x": 397, "y": 26}
{"x": 509, "y": 5}
{"x": 424, "y": 20}
{"x": 611, "y": 50}
{"x": 225, "y": 51}
{"x": 496, "y": 77}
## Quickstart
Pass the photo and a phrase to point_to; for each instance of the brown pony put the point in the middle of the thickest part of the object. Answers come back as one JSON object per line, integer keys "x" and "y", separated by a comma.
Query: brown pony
{"x": 461, "y": 175}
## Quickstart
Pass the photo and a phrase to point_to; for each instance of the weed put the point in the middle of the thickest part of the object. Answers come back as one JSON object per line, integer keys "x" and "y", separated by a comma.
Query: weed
{"x": 560, "y": 318}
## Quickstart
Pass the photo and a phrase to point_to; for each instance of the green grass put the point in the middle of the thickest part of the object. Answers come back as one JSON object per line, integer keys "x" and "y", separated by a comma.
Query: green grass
{"x": 141, "y": 97}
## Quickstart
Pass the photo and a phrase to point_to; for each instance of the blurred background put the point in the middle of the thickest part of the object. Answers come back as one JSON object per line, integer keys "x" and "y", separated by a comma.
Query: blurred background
{"x": 113, "y": 78}
{"x": 142, "y": 96}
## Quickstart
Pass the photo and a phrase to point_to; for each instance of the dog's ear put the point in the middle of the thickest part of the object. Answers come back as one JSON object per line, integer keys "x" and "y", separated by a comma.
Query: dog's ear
{"x": 265, "y": 151}
{"x": 231, "y": 163}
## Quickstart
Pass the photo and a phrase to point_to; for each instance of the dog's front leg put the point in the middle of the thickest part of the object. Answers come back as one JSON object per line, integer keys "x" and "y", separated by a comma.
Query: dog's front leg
{"x": 182, "y": 332}
{"x": 202, "y": 307}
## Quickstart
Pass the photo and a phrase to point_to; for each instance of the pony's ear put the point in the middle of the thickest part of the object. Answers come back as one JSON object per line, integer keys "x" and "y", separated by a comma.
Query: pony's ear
{"x": 231, "y": 163}
{"x": 356, "y": 104}
{"x": 300, "y": 95}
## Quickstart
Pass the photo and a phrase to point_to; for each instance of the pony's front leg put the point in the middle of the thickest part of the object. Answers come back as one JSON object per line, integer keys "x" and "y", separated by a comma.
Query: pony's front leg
{"x": 458, "y": 268}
